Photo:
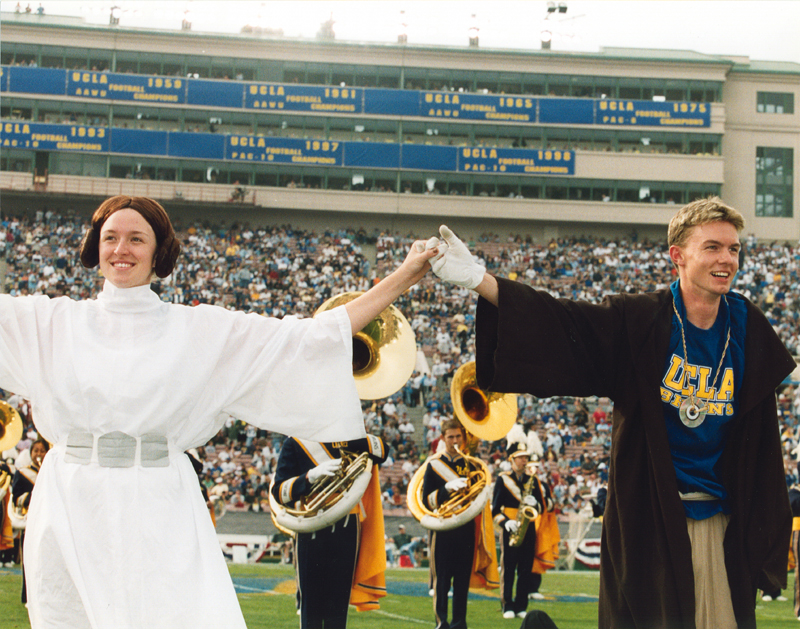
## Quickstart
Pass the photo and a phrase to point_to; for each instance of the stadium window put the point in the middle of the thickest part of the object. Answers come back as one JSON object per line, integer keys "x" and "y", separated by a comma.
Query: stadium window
{"x": 774, "y": 181}
{"x": 775, "y": 102}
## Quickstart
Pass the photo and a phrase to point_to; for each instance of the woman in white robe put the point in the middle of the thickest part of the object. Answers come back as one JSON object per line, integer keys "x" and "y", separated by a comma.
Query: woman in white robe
{"x": 118, "y": 534}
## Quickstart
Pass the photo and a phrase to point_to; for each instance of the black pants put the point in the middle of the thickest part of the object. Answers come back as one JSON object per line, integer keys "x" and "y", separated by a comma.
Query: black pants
{"x": 326, "y": 561}
{"x": 796, "y": 550}
{"x": 452, "y": 552}
{"x": 518, "y": 561}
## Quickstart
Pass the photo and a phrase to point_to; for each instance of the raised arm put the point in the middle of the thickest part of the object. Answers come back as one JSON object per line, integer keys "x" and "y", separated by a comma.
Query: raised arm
{"x": 366, "y": 307}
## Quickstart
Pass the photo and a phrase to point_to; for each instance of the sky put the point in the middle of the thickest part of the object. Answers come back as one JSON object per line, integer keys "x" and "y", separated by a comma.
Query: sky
{"x": 760, "y": 30}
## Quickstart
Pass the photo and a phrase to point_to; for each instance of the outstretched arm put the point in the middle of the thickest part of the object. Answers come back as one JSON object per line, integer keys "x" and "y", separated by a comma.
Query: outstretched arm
{"x": 366, "y": 307}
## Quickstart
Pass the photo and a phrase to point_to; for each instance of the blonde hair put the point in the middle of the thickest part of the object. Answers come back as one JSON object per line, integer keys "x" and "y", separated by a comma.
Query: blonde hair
{"x": 701, "y": 212}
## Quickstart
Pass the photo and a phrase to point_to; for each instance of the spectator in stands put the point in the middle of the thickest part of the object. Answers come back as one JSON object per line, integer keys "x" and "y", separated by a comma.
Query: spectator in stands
{"x": 629, "y": 347}
{"x": 119, "y": 350}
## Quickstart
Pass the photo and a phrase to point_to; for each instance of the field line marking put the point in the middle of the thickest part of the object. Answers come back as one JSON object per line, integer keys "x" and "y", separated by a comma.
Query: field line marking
{"x": 399, "y": 617}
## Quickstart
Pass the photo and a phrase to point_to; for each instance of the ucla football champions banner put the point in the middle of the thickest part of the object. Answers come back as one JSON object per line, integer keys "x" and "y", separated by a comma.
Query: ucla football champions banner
{"x": 652, "y": 113}
{"x": 308, "y": 98}
{"x": 478, "y": 107}
{"x": 516, "y": 161}
{"x": 128, "y": 87}
{"x": 54, "y": 137}
{"x": 284, "y": 150}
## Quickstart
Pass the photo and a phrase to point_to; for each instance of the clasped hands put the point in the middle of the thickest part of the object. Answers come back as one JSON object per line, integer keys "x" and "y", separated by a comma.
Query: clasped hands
{"x": 453, "y": 263}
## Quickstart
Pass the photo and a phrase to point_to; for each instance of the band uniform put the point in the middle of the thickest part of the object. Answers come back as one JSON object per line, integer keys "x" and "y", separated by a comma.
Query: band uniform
{"x": 465, "y": 555}
{"x": 532, "y": 557}
{"x": 342, "y": 563}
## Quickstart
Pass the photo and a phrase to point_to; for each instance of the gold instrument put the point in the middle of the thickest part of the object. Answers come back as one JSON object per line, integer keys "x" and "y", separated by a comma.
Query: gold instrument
{"x": 10, "y": 426}
{"x": 488, "y": 416}
{"x": 384, "y": 355}
{"x": 484, "y": 415}
{"x": 525, "y": 513}
{"x": 331, "y": 498}
{"x": 384, "y": 352}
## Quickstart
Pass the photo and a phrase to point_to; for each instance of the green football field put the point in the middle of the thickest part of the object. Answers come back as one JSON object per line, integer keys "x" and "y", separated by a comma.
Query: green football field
{"x": 266, "y": 593}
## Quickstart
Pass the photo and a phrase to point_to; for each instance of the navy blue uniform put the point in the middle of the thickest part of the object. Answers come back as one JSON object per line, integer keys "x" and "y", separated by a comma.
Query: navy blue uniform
{"x": 517, "y": 560}
{"x": 326, "y": 559}
{"x": 451, "y": 552}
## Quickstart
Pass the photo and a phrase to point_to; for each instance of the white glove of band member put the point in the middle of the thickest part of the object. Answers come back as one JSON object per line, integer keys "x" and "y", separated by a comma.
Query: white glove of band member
{"x": 328, "y": 468}
{"x": 512, "y": 526}
{"x": 454, "y": 263}
{"x": 531, "y": 501}
{"x": 456, "y": 484}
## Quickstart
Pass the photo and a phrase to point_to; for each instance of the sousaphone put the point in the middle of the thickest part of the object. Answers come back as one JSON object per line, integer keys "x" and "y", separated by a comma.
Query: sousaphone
{"x": 10, "y": 426}
{"x": 384, "y": 355}
{"x": 484, "y": 415}
{"x": 384, "y": 352}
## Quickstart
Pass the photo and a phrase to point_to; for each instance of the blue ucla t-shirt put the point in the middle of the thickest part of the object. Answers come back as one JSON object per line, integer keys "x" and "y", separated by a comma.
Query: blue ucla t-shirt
{"x": 696, "y": 446}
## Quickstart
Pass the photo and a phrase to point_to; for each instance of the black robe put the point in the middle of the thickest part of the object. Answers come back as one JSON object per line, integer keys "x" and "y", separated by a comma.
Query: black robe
{"x": 547, "y": 347}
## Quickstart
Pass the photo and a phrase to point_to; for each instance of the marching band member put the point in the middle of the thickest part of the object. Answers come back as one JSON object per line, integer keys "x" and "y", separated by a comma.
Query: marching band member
{"x": 455, "y": 554}
{"x": 343, "y": 563}
{"x": 6, "y": 530}
{"x": 527, "y": 560}
{"x": 21, "y": 491}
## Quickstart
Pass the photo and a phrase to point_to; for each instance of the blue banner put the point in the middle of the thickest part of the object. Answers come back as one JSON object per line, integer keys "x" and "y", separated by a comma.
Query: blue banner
{"x": 387, "y": 102}
{"x": 197, "y": 145}
{"x": 372, "y": 155}
{"x": 36, "y": 80}
{"x": 138, "y": 142}
{"x": 566, "y": 111}
{"x": 421, "y": 157}
{"x": 132, "y": 87}
{"x": 311, "y": 98}
{"x": 252, "y": 148}
{"x": 478, "y": 106}
{"x": 516, "y": 161}
{"x": 212, "y": 146}
{"x": 353, "y": 100}
{"x": 50, "y": 137}
{"x": 652, "y": 113}
{"x": 217, "y": 93}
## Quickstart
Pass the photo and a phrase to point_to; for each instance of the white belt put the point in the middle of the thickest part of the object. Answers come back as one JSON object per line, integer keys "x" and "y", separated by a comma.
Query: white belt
{"x": 697, "y": 495}
{"x": 117, "y": 449}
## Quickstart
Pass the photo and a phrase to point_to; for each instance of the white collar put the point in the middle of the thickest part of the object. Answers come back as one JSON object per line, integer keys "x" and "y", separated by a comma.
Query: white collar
{"x": 136, "y": 299}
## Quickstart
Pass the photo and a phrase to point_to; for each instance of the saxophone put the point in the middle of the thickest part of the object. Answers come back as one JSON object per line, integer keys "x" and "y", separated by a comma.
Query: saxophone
{"x": 525, "y": 514}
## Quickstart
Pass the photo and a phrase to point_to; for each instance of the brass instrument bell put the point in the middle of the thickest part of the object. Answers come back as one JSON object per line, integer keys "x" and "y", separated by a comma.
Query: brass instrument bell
{"x": 10, "y": 426}
{"x": 488, "y": 416}
{"x": 384, "y": 352}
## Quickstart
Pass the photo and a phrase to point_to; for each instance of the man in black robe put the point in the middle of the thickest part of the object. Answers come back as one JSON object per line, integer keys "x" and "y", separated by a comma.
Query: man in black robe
{"x": 695, "y": 443}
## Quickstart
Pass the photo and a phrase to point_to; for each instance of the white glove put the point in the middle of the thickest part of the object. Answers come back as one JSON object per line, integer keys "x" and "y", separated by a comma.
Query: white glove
{"x": 512, "y": 526}
{"x": 454, "y": 263}
{"x": 456, "y": 484}
{"x": 531, "y": 501}
{"x": 328, "y": 468}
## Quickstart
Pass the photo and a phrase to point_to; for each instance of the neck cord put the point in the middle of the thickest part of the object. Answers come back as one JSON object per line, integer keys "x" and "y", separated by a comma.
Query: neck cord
{"x": 692, "y": 414}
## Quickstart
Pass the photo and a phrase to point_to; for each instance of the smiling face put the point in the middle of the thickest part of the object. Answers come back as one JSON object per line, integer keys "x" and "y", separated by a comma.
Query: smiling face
{"x": 708, "y": 261}
{"x": 127, "y": 249}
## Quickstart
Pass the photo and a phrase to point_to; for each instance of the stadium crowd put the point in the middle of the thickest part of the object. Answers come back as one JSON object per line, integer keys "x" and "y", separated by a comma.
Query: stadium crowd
{"x": 280, "y": 270}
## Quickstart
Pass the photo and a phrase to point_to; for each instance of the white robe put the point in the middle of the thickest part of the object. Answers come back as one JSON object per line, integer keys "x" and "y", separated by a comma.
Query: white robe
{"x": 116, "y": 548}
